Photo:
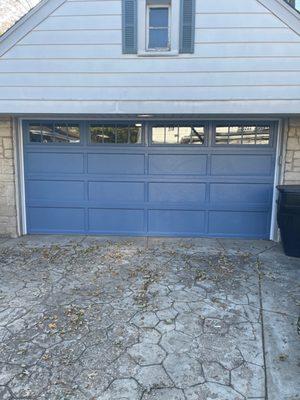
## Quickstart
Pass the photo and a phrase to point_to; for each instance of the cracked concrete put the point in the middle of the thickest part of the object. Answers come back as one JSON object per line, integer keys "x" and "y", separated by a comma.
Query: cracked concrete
{"x": 147, "y": 319}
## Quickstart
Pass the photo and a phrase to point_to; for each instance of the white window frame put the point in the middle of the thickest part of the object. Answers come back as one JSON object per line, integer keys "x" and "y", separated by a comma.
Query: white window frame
{"x": 160, "y": 49}
{"x": 143, "y": 29}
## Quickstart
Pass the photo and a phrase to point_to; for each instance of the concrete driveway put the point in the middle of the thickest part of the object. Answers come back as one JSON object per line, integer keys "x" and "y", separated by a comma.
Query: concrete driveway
{"x": 147, "y": 319}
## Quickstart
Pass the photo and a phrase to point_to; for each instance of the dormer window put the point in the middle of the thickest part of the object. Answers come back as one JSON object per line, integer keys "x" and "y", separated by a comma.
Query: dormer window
{"x": 158, "y": 27}
{"x": 158, "y": 37}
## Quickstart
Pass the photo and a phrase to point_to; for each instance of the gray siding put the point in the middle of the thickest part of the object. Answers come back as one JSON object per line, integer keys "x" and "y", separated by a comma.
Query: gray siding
{"x": 246, "y": 60}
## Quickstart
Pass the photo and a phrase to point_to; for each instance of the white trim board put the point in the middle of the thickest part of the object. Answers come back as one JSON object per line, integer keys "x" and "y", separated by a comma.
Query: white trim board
{"x": 17, "y": 174}
{"x": 284, "y": 12}
{"x": 21, "y": 179}
{"x": 277, "y": 180}
{"x": 28, "y": 22}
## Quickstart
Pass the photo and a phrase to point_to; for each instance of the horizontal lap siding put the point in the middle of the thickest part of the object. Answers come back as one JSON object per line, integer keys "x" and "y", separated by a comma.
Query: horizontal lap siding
{"x": 202, "y": 36}
{"x": 81, "y": 7}
{"x": 239, "y": 45}
{"x": 107, "y": 7}
{"x": 227, "y": 50}
{"x": 211, "y": 21}
{"x": 147, "y": 65}
{"x": 153, "y": 93}
{"x": 148, "y": 79}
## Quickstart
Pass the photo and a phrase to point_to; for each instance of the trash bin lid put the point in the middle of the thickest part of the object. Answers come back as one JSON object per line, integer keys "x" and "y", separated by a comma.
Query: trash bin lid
{"x": 289, "y": 188}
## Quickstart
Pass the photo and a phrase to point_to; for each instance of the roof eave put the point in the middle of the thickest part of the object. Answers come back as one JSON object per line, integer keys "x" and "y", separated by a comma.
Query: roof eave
{"x": 286, "y": 13}
{"x": 28, "y": 22}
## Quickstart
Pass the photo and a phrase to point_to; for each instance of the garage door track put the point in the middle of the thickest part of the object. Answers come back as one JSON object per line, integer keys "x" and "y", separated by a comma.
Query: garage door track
{"x": 147, "y": 319}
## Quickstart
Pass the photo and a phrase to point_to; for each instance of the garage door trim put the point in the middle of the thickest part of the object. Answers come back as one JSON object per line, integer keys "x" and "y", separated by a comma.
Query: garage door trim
{"x": 149, "y": 148}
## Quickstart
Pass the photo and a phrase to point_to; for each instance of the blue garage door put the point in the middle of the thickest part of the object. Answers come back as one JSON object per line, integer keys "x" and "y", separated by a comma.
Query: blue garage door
{"x": 176, "y": 179}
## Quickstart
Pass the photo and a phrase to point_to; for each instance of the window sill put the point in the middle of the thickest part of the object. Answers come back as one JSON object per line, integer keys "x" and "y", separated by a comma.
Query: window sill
{"x": 157, "y": 53}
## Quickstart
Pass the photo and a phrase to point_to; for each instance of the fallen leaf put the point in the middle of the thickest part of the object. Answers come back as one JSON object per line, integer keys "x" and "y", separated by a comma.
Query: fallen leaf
{"x": 52, "y": 325}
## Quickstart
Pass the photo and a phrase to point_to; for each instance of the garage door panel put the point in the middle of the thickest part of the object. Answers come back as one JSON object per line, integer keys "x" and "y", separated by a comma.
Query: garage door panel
{"x": 121, "y": 164}
{"x": 176, "y": 222}
{"x": 52, "y": 190}
{"x": 237, "y": 206}
{"x": 235, "y": 223}
{"x": 244, "y": 193}
{"x": 177, "y": 164}
{"x": 221, "y": 185}
{"x": 55, "y": 219}
{"x": 50, "y": 163}
{"x": 116, "y": 221}
{"x": 241, "y": 164}
{"x": 116, "y": 192}
{"x": 176, "y": 192}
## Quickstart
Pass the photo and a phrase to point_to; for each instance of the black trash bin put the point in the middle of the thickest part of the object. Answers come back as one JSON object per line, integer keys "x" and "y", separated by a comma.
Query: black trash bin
{"x": 288, "y": 218}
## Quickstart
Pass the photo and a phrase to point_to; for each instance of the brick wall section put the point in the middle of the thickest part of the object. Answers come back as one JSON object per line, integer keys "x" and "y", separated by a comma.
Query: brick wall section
{"x": 292, "y": 159}
{"x": 8, "y": 216}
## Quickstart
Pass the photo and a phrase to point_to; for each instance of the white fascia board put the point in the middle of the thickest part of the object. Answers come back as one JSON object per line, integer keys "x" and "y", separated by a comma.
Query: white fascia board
{"x": 27, "y": 23}
{"x": 284, "y": 12}
{"x": 221, "y": 107}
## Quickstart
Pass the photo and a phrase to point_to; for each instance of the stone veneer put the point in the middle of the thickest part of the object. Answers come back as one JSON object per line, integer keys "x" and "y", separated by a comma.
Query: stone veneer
{"x": 292, "y": 158}
{"x": 8, "y": 214}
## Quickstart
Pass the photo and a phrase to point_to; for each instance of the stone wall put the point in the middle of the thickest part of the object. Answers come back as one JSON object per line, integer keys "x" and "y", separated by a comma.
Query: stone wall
{"x": 8, "y": 215}
{"x": 292, "y": 159}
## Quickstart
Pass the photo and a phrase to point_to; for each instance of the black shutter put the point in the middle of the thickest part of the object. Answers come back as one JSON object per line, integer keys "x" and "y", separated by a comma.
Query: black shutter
{"x": 187, "y": 26}
{"x": 129, "y": 20}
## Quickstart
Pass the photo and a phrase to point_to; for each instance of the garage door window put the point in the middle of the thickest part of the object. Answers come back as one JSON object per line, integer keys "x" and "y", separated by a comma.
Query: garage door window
{"x": 242, "y": 135}
{"x": 54, "y": 133}
{"x": 115, "y": 134}
{"x": 178, "y": 135}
